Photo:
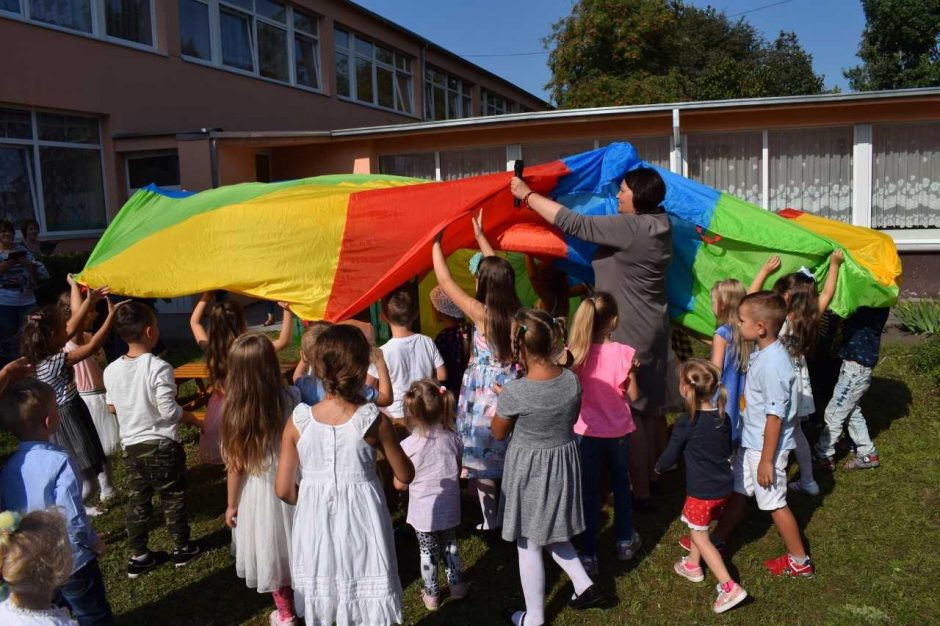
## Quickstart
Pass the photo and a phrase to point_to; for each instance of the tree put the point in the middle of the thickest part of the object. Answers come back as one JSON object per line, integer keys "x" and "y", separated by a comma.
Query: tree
{"x": 614, "y": 52}
{"x": 900, "y": 46}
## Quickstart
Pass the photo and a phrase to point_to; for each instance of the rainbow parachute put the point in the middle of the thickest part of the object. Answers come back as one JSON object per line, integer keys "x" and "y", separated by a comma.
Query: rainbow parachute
{"x": 331, "y": 245}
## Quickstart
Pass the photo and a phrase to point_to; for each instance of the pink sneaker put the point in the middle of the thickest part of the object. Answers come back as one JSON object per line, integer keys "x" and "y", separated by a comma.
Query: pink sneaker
{"x": 693, "y": 573}
{"x": 727, "y": 600}
{"x": 431, "y": 603}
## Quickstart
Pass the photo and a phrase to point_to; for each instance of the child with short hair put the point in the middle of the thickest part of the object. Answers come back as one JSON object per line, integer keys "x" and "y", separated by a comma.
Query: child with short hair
{"x": 434, "y": 505}
{"x": 702, "y": 435}
{"x": 257, "y": 403}
{"x": 343, "y": 561}
{"x": 730, "y": 351}
{"x": 40, "y": 475}
{"x": 35, "y": 559}
{"x": 541, "y": 504}
{"x": 453, "y": 340}
{"x": 142, "y": 393}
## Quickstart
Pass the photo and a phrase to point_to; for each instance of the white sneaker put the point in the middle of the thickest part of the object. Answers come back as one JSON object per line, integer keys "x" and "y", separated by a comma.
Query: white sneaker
{"x": 810, "y": 489}
{"x": 92, "y": 511}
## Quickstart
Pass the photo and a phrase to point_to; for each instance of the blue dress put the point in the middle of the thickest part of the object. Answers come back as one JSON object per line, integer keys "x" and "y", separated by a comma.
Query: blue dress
{"x": 732, "y": 379}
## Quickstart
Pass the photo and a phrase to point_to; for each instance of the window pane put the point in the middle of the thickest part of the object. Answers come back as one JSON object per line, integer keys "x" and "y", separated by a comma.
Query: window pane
{"x": 906, "y": 176}
{"x": 68, "y": 13}
{"x": 129, "y": 19}
{"x": 453, "y": 105}
{"x": 72, "y": 189}
{"x": 428, "y": 101}
{"x": 15, "y": 124}
{"x": 419, "y": 165}
{"x": 729, "y": 162}
{"x": 467, "y": 110}
{"x": 341, "y": 37}
{"x": 194, "y": 29}
{"x": 364, "y": 47}
{"x": 271, "y": 10}
{"x": 384, "y": 56}
{"x": 162, "y": 171}
{"x": 272, "y": 52}
{"x": 305, "y": 23}
{"x": 16, "y": 183}
{"x": 472, "y": 162}
{"x": 403, "y": 63}
{"x": 236, "y": 40}
{"x": 385, "y": 83}
{"x": 811, "y": 170}
{"x": 67, "y": 128}
{"x": 364, "y": 80}
{"x": 440, "y": 103}
{"x": 342, "y": 73}
{"x": 10, "y": 5}
{"x": 403, "y": 93}
{"x": 306, "y": 57}
{"x": 245, "y": 4}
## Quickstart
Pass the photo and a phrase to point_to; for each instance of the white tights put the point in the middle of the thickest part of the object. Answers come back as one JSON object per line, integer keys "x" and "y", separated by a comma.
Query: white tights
{"x": 488, "y": 494}
{"x": 804, "y": 457}
{"x": 532, "y": 575}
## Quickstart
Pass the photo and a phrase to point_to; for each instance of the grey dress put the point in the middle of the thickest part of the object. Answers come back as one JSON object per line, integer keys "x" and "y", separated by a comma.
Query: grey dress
{"x": 542, "y": 475}
{"x": 631, "y": 264}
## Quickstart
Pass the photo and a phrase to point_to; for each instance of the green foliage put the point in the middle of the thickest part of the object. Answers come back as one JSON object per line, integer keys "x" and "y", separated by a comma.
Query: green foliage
{"x": 900, "y": 46}
{"x": 617, "y": 52}
{"x": 920, "y": 316}
{"x": 926, "y": 358}
{"x": 59, "y": 266}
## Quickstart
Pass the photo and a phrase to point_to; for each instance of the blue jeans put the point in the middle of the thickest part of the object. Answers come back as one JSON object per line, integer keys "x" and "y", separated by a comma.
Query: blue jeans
{"x": 844, "y": 410}
{"x": 595, "y": 453}
{"x": 11, "y": 320}
{"x": 84, "y": 594}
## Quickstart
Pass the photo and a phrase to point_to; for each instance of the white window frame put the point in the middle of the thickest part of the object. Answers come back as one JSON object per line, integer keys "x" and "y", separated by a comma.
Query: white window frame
{"x": 133, "y": 156}
{"x": 351, "y": 55}
{"x": 99, "y": 28}
{"x": 464, "y": 94}
{"x": 34, "y": 144}
{"x": 486, "y": 95}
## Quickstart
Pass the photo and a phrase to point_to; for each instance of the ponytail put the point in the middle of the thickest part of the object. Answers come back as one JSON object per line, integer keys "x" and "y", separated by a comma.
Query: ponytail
{"x": 699, "y": 380}
{"x": 593, "y": 320}
{"x": 428, "y": 403}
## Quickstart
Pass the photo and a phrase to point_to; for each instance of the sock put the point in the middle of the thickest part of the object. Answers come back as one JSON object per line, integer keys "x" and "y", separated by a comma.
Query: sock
{"x": 284, "y": 601}
{"x": 804, "y": 457}
{"x": 142, "y": 557}
{"x": 532, "y": 575}
{"x": 800, "y": 560}
{"x": 88, "y": 488}
{"x": 727, "y": 586}
{"x": 567, "y": 558}
{"x": 104, "y": 483}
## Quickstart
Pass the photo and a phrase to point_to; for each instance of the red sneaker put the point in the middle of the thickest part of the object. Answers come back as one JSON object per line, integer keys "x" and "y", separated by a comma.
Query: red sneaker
{"x": 786, "y": 566}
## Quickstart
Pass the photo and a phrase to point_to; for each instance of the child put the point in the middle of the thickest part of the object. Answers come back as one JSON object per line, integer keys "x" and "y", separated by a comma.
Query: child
{"x": 343, "y": 560}
{"x": 434, "y": 506}
{"x": 490, "y": 311}
{"x": 40, "y": 475}
{"x": 45, "y": 334}
{"x": 226, "y": 322}
{"x": 141, "y": 391}
{"x": 35, "y": 559}
{"x": 730, "y": 351}
{"x": 604, "y": 423}
{"x": 257, "y": 404}
{"x": 454, "y": 339}
{"x": 541, "y": 504}
{"x": 861, "y": 341}
{"x": 703, "y": 436}
{"x": 408, "y": 355}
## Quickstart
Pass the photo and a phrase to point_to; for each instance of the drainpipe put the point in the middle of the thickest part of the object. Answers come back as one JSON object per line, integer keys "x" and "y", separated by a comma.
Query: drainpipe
{"x": 676, "y": 143}
{"x": 213, "y": 155}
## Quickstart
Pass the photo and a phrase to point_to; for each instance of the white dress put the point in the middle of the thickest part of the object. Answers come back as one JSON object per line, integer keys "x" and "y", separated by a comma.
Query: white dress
{"x": 342, "y": 551}
{"x": 12, "y": 615}
{"x": 261, "y": 537}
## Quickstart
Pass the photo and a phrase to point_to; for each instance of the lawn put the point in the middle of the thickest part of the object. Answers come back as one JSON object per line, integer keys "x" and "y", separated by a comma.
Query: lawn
{"x": 874, "y": 536}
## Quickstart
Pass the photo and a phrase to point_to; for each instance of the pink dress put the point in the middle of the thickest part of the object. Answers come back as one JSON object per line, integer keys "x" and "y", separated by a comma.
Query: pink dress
{"x": 210, "y": 441}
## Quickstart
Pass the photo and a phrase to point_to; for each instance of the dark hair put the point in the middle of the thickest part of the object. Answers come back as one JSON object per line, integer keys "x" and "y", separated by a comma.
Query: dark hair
{"x": 226, "y": 323}
{"x": 132, "y": 319}
{"x": 26, "y": 224}
{"x": 767, "y": 307}
{"x": 399, "y": 306}
{"x": 38, "y": 336}
{"x": 799, "y": 292}
{"x": 428, "y": 403}
{"x": 496, "y": 290}
{"x": 648, "y": 189}
{"x": 541, "y": 335}
{"x": 341, "y": 361}
{"x": 25, "y": 402}
{"x": 7, "y": 225}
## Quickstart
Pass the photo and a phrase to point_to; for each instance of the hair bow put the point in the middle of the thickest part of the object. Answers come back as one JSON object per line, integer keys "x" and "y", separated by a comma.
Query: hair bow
{"x": 805, "y": 272}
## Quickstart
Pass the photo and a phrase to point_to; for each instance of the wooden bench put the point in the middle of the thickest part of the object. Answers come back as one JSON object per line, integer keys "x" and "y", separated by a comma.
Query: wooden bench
{"x": 199, "y": 374}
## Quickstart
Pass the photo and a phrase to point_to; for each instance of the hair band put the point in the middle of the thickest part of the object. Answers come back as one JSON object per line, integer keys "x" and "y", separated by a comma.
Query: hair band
{"x": 35, "y": 317}
{"x": 442, "y": 390}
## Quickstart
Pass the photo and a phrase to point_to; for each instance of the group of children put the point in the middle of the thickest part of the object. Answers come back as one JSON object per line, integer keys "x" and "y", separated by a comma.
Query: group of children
{"x": 537, "y": 424}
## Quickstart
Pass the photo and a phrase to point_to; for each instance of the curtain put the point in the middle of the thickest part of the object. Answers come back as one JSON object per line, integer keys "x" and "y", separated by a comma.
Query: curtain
{"x": 194, "y": 29}
{"x": 536, "y": 153}
{"x": 420, "y": 165}
{"x": 472, "y": 162}
{"x": 72, "y": 188}
{"x": 906, "y": 175}
{"x": 730, "y": 162}
{"x": 236, "y": 40}
{"x": 811, "y": 170}
{"x": 68, "y": 13}
{"x": 129, "y": 19}
{"x": 16, "y": 183}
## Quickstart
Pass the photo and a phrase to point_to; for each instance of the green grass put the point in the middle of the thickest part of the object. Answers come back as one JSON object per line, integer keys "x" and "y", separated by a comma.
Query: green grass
{"x": 874, "y": 536}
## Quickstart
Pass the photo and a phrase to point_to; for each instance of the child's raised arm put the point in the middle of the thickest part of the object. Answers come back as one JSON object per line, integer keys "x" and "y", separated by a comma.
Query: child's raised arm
{"x": 285, "y": 483}
{"x": 75, "y": 322}
{"x": 402, "y": 469}
{"x": 386, "y": 394}
{"x": 482, "y": 241}
{"x": 832, "y": 280}
{"x": 195, "y": 320}
{"x": 15, "y": 370}
{"x": 770, "y": 266}
{"x": 94, "y": 344}
{"x": 301, "y": 369}
{"x": 470, "y": 306}
{"x": 287, "y": 328}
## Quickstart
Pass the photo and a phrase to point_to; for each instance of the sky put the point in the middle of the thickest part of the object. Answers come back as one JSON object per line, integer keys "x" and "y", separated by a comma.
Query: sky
{"x": 502, "y": 35}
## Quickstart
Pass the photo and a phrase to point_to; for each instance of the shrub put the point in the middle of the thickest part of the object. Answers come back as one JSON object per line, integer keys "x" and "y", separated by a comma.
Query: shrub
{"x": 919, "y": 316}
{"x": 926, "y": 358}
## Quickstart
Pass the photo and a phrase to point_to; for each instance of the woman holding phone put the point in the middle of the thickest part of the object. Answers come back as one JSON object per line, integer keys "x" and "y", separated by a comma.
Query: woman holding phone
{"x": 19, "y": 272}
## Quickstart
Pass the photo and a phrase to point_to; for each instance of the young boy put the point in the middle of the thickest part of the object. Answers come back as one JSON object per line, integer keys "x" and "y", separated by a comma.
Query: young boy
{"x": 770, "y": 406}
{"x": 40, "y": 475}
{"x": 142, "y": 393}
{"x": 409, "y": 356}
{"x": 861, "y": 342}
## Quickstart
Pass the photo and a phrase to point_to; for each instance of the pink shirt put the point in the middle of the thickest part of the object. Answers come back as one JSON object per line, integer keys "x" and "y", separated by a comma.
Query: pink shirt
{"x": 604, "y": 411}
{"x": 434, "y": 494}
{"x": 88, "y": 373}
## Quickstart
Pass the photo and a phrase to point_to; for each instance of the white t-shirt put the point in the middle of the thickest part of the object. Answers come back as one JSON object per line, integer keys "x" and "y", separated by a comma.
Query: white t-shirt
{"x": 143, "y": 393}
{"x": 12, "y": 615}
{"x": 409, "y": 359}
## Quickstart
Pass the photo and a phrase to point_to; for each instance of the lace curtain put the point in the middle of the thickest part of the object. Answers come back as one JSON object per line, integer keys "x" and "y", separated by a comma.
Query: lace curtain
{"x": 730, "y": 162}
{"x": 472, "y": 162}
{"x": 811, "y": 170}
{"x": 906, "y": 176}
{"x": 418, "y": 165}
{"x": 536, "y": 153}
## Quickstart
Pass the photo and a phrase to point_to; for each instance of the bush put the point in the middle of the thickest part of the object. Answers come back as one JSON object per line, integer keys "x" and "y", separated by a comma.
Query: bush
{"x": 919, "y": 316}
{"x": 926, "y": 358}
{"x": 59, "y": 266}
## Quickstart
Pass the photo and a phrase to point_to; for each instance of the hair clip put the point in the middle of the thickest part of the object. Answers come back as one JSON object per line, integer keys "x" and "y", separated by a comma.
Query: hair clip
{"x": 9, "y": 522}
{"x": 35, "y": 317}
{"x": 475, "y": 261}
{"x": 805, "y": 272}
{"x": 442, "y": 390}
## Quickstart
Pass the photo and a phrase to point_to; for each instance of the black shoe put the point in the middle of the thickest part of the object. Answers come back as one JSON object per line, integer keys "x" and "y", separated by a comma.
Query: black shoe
{"x": 183, "y": 556}
{"x": 137, "y": 567}
{"x": 588, "y": 597}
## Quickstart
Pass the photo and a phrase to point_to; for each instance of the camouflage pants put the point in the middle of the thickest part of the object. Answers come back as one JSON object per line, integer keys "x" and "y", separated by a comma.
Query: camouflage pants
{"x": 155, "y": 466}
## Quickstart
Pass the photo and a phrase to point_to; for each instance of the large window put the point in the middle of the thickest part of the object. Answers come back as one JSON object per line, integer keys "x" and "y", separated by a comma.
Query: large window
{"x": 492, "y": 104}
{"x": 50, "y": 170}
{"x": 811, "y": 170}
{"x": 371, "y": 73}
{"x": 729, "y": 162}
{"x": 130, "y": 21}
{"x": 158, "y": 168}
{"x": 416, "y": 165}
{"x": 266, "y": 38}
{"x": 446, "y": 97}
{"x": 905, "y": 185}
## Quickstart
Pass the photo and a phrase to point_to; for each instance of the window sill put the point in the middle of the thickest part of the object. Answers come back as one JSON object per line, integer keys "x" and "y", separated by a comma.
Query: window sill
{"x": 376, "y": 107}
{"x": 124, "y": 43}
{"x": 71, "y": 234}
{"x": 238, "y": 72}
{"x": 915, "y": 239}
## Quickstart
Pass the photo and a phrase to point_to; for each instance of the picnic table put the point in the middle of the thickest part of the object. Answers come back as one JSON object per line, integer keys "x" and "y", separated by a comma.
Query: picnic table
{"x": 199, "y": 373}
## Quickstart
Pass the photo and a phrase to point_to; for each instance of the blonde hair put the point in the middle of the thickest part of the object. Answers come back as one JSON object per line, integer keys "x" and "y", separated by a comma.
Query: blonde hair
{"x": 255, "y": 404}
{"x": 728, "y": 294}
{"x": 308, "y": 341}
{"x": 35, "y": 557}
{"x": 701, "y": 378}
{"x": 592, "y": 322}
{"x": 427, "y": 403}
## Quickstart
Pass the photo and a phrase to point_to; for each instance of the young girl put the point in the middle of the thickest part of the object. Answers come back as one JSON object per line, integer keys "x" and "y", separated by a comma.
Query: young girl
{"x": 257, "y": 405}
{"x": 798, "y": 335}
{"x": 490, "y": 311}
{"x": 453, "y": 342}
{"x": 702, "y": 436}
{"x": 434, "y": 504}
{"x": 343, "y": 559}
{"x": 35, "y": 559}
{"x": 44, "y": 335}
{"x": 605, "y": 422}
{"x": 730, "y": 351}
{"x": 226, "y": 323}
{"x": 541, "y": 507}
